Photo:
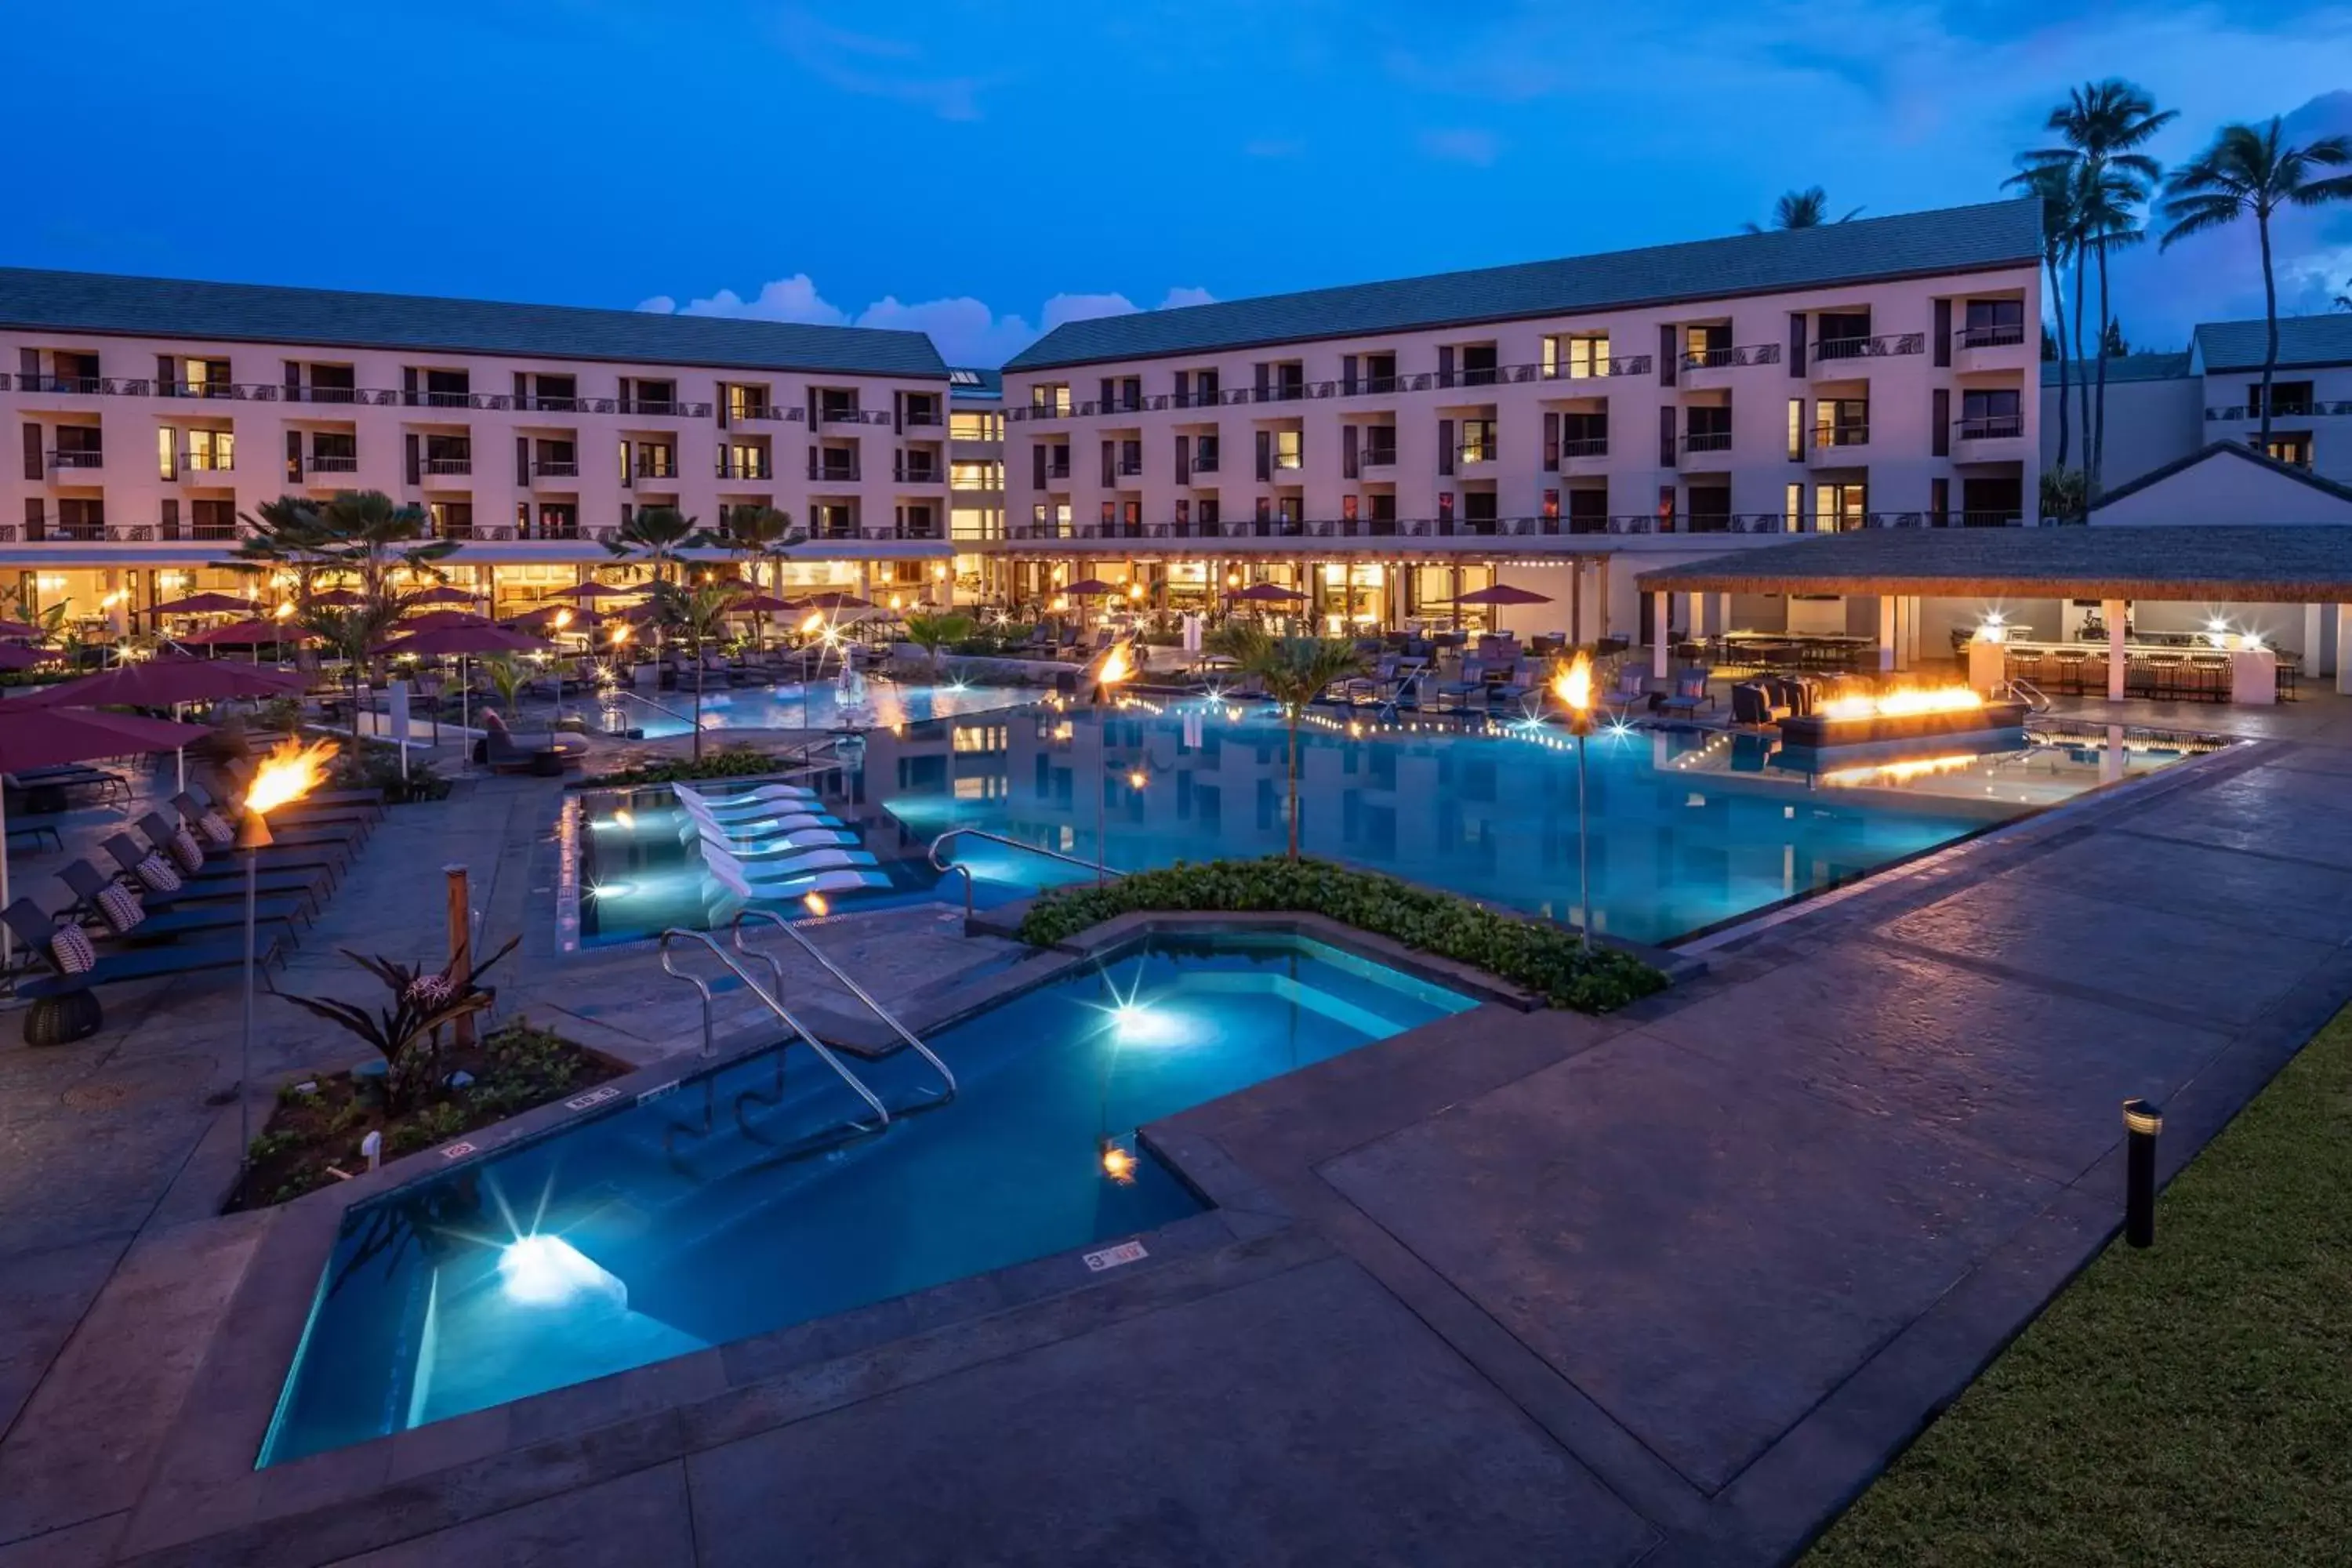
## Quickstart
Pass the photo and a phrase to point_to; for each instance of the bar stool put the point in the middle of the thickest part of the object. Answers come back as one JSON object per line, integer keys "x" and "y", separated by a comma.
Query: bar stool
{"x": 2165, "y": 673}
{"x": 2070, "y": 662}
{"x": 2209, "y": 677}
{"x": 2025, "y": 664}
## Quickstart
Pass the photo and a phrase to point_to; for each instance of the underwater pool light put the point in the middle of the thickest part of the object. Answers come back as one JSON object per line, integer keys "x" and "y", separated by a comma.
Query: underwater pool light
{"x": 549, "y": 1271}
{"x": 1118, "y": 1163}
{"x": 1138, "y": 1024}
{"x": 610, "y": 890}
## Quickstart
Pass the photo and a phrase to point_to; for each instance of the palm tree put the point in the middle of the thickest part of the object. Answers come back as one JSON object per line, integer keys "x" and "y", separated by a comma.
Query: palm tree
{"x": 759, "y": 534}
{"x": 1808, "y": 209}
{"x": 2344, "y": 300}
{"x": 656, "y": 535}
{"x": 697, "y": 614}
{"x": 2104, "y": 125}
{"x": 1295, "y": 671}
{"x": 2251, "y": 173}
{"x": 2057, "y": 196}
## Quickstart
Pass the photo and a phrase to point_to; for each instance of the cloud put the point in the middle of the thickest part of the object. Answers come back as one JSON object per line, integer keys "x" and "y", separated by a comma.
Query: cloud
{"x": 876, "y": 66}
{"x": 966, "y": 329}
{"x": 1461, "y": 145}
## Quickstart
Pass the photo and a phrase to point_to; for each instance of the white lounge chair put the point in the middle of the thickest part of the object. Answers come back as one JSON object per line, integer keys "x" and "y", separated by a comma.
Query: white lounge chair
{"x": 777, "y": 879}
{"x": 738, "y": 801}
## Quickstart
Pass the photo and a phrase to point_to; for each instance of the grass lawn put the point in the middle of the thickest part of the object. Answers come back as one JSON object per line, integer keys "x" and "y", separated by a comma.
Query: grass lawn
{"x": 2188, "y": 1404}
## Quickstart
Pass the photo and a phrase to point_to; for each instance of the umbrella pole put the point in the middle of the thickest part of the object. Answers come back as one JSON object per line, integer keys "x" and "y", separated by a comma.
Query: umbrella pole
{"x": 5, "y": 900}
{"x": 464, "y": 713}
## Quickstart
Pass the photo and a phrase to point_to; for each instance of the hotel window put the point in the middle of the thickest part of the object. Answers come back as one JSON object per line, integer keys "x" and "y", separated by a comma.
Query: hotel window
{"x": 1990, "y": 413}
{"x": 744, "y": 402}
{"x": 971, "y": 522}
{"x": 167, "y": 452}
{"x": 1837, "y": 507}
{"x": 1288, "y": 449}
{"x": 1050, "y": 397}
{"x": 1062, "y": 518}
{"x": 1477, "y": 441}
{"x": 2294, "y": 449}
{"x": 2289, "y": 399}
{"x": 976, "y": 427}
{"x": 745, "y": 460}
{"x": 1038, "y": 522}
{"x": 657, "y": 460}
{"x": 1575, "y": 355}
{"x": 1796, "y": 429}
{"x": 1993, "y": 323}
{"x": 212, "y": 451}
{"x": 976, "y": 476}
{"x": 1792, "y": 508}
{"x": 1841, "y": 422}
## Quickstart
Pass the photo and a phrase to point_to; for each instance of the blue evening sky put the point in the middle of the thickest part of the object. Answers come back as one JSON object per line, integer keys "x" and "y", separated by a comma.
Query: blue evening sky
{"x": 983, "y": 168}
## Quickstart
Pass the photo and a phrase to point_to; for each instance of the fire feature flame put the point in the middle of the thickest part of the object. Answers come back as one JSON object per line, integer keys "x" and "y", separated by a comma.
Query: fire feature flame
{"x": 1897, "y": 773}
{"x": 291, "y": 772}
{"x": 1116, "y": 667}
{"x": 1903, "y": 703}
{"x": 1573, "y": 685}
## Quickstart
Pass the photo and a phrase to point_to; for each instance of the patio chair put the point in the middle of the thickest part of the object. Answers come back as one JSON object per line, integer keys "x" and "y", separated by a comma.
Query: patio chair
{"x": 542, "y": 752}
{"x": 209, "y": 885}
{"x": 1473, "y": 683}
{"x": 345, "y": 807}
{"x": 1632, "y": 686}
{"x": 329, "y": 858}
{"x": 44, "y": 789}
{"x": 1690, "y": 693}
{"x": 1514, "y": 684}
{"x": 1373, "y": 687}
{"x": 34, "y": 930}
{"x": 122, "y": 916}
{"x": 1753, "y": 704}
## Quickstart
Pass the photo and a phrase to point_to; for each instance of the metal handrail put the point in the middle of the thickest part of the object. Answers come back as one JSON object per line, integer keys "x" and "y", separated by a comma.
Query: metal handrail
{"x": 617, "y": 689}
{"x": 890, "y": 1019}
{"x": 943, "y": 867}
{"x": 807, "y": 1036}
{"x": 2027, "y": 693}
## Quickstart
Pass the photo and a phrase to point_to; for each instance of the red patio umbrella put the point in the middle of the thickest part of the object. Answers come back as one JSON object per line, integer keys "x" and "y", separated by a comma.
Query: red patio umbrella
{"x": 33, "y": 736}
{"x": 1504, "y": 593}
{"x": 832, "y": 599}
{"x": 247, "y": 634}
{"x": 18, "y": 629}
{"x": 594, "y": 591}
{"x": 338, "y": 599}
{"x": 15, "y": 658}
{"x": 444, "y": 594}
{"x": 167, "y": 683}
{"x": 759, "y": 605}
{"x": 1090, "y": 587}
{"x": 206, "y": 604}
{"x": 464, "y": 642}
{"x": 442, "y": 620}
{"x": 1267, "y": 594}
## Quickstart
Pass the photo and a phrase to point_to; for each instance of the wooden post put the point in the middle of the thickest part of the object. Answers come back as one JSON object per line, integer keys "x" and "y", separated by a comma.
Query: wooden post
{"x": 461, "y": 930}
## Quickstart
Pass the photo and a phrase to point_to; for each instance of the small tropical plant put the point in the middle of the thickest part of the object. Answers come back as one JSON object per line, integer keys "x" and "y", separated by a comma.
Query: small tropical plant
{"x": 697, "y": 614}
{"x": 2065, "y": 494}
{"x": 932, "y": 633}
{"x": 408, "y": 1033}
{"x": 655, "y": 536}
{"x": 1808, "y": 209}
{"x": 508, "y": 671}
{"x": 2250, "y": 171}
{"x": 1294, "y": 671}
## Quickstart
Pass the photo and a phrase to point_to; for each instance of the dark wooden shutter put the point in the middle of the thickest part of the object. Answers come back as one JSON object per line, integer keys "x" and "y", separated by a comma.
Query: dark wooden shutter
{"x": 1797, "y": 345}
{"x": 1444, "y": 438}
{"x": 1445, "y": 368}
{"x": 1939, "y": 501}
{"x": 34, "y": 521}
{"x": 1348, "y": 374}
{"x": 1037, "y": 465}
{"x": 293, "y": 381}
{"x": 522, "y": 459}
{"x": 33, "y": 452}
{"x": 167, "y": 377}
{"x": 1347, "y": 438}
{"x": 1183, "y": 460}
{"x": 522, "y": 389}
{"x": 1109, "y": 464}
{"x": 293, "y": 457}
{"x": 1943, "y": 332}
{"x": 29, "y": 367}
{"x": 1666, "y": 437}
{"x": 408, "y": 390}
{"x": 414, "y": 458}
{"x": 1668, "y": 356}
{"x": 897, "y": 413}
{"x": 171, "y": 518}
{"x": 1264, "y": 453}
{"x": 1265, "y": 379}
{"x": 1551, "y": 443}
{"x": 1666, "y": 509}
{"x": 1940, "y": 437}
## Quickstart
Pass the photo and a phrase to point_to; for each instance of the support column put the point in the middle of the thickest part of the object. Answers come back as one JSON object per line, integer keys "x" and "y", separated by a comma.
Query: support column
{"x": 1912, "y": 608}
{"x": 1722, "y": 614}
{"x": 2113, "y": 609}
{"x": 1576, "y": 601}
{"x": 1885, "y": 632}
{"x": 1660, "y": 605}
{"x": 2314, "y": 643}
{"x": 2343, "y": 641}
{"x": 1600, "y": 601}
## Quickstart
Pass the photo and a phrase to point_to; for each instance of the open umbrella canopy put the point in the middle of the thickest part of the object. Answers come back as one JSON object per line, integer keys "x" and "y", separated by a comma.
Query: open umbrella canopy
{"x": 36, "y": 736}
{"x": 441, "y": 621}
{"x": 206, "y": 604}
{"x": 338, "y": 599}
{"x": 1504, "y": 593}
{"x": 1088, "y": 587}
{"x": 595, "y": 591}
{"x": 759, "y": 605}
{"x": 164, "y": 682}
{"x": 1269, "y": 594}
{"x": 832, "y": 599}
{"x": 244, "y": 634}
{"x": 442, "y": 594}
{"x": 18, "y": 629}
{"x": 15, "y": 658}
{"x": 467, "y": 640}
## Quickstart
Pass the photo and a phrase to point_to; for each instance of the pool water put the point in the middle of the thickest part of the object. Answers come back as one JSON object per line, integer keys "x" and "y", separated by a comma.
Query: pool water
{"x": 818, "y": 705}
{"x": 1686, "y": 829}
{"x": 640, "y": 1235}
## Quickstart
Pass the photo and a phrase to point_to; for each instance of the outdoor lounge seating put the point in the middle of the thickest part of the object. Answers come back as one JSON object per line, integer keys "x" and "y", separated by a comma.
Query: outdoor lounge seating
{"x": 1471, "y": 683}
{"x": 1631, "y": 687}
{"x": 1690, "y": 693}
{"x": 89, "y": 885}
{"x": 212, "y": 883}
{"x": 45, "y": 978}
{"x": 44, "y": 789}
{"x": 507, "y": 752}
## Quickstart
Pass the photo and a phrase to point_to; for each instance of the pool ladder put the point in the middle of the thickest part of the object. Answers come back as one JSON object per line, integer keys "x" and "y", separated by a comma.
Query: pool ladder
{"x": 1100, "y": 871}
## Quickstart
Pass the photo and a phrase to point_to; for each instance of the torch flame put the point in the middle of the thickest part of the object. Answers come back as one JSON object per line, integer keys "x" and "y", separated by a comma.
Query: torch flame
{"x": 285, "y": 609}
{"x": 1573, "y": 686}
{"x": 1116, "y": 667}
{"x": 816, "y": 904}
{"x": 287, "y": 773}
{"x": 813, "y": 624}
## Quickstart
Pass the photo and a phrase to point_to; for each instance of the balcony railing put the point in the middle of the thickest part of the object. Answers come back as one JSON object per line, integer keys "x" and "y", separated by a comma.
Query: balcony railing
{"x": 734, "y": 470}
{"x": 1828, "y": 435}
{"x": 1999, "y": 335}
{"x": 1588, "y": 446}
{"x": 1377, "y": 457}
{"x": 2004, "y": 518}
{"x": 556, "y": 468}
{"x": 1883, "y": 346}
{"x": 1991, "y": 426}
{"x": 1708, "y": 441}
{"x": 914, "y": 473}
{"x": 922, "y": 418}
{"x": 765, "y": 411}
{"x": 656, "y": 467}
{"x": 853, "y": 417}
{"x": 447, "y": 466}
{"x": 78, "y": 459}
{"x": 1726, "y": 358}
{"x": 206, "y": 463}
{"x": 834, "y": 473}
{"x": 1399, "y": 528}
{"x": 2313, "y": 410}
{"x": 1061, "y": 470}
{"x": 74, "y": 386}
{"x": 1475, "y": 452}
{"x": 1362, "y": 385}
{"x": 330, "y": 463}
{"x": 377, "y": 397}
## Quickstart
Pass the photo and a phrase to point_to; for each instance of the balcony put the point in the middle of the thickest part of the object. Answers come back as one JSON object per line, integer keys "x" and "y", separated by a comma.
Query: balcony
{"x": 1999, "y": 347}
{"x": 1840, "y": 358}
{"x": 202, "y": 468}
{"x": 1061, "y": 470}
{"x": 922, "y": 418}
{"x": 555, "y": 468}
{"x": 240, "y": 391}
{"x": 434, "y": 471}
{"x": 1585, "y": 454}
{"x": 851, "y": 416}
{"x": 1204, "y": 462}
{"x": 2280, "y": 409}
{"x": 834, "y": 471}
{"x": 1707, "y": 367}
{"x": 1990, "y": 438}
{"x": 661, "y": 467}
{"x": 908, "y": 470}
{"x": 1838, "y": 447}
{"x": 362, "y": 395}
{"x": 660, "y": 407}
{"x": 62, "y": 386}
{"x": 730, "y": 469}
{"x": 332, "y": 463}
{"x": 1707, "y": 449}
{"x": 2003, "y": 519}
{"x": 1475, "y": 454}
{"x": 78, "y": 459}
{"x": 1377, "y": 458}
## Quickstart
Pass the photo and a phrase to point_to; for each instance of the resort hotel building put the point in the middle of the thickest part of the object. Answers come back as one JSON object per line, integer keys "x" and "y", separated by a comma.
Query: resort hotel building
{"x": 1381, "y": 448}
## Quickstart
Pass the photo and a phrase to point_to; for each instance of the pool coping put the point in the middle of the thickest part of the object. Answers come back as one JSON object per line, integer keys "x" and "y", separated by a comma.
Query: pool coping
{"x": 204, "y": 1484}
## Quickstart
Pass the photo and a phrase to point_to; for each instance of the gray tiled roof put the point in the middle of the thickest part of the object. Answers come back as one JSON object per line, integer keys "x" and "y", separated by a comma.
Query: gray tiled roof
{"x": 972, "y": 382}
{"x": 1955, "y": 239}
{"x": 2304, "y": 341}
{"x": 252, "y": 313}
{"x": 2122, "y": 367}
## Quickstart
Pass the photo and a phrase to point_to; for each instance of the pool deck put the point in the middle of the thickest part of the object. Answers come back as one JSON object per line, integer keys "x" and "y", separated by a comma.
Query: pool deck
{"x": 1665, "y": 1288}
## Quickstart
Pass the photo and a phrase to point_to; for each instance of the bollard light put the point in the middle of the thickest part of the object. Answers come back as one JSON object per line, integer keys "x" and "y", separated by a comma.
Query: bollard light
{"x": 2142, "y": 1122}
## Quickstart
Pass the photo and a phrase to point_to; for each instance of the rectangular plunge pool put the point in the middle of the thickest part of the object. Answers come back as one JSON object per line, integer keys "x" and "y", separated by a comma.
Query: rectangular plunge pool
{"x": 730, "y": 1205}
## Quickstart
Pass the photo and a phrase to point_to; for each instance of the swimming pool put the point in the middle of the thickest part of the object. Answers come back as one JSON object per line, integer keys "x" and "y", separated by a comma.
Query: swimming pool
{"x": 639, "y": 1236}
{"x": 816, "y": 705}
{"x": 1688, "y": 829}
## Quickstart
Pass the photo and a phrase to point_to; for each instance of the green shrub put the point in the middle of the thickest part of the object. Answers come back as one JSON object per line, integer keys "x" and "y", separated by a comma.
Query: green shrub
{"x": 1550, "y": 961}
{"x": 378, "y": 767}
{"x": 728, "y": 762}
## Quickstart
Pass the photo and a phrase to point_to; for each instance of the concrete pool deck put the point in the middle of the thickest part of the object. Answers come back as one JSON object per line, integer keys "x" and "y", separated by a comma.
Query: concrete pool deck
{"x": 1666, "y": 1286}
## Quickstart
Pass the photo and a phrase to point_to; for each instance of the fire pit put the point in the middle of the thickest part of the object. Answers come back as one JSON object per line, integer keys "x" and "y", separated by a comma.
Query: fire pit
{"x": 1906, "y": 714}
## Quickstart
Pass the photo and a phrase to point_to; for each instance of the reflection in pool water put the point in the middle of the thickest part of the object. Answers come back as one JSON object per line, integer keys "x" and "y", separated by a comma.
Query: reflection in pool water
{"x": 1688, "y": 829}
